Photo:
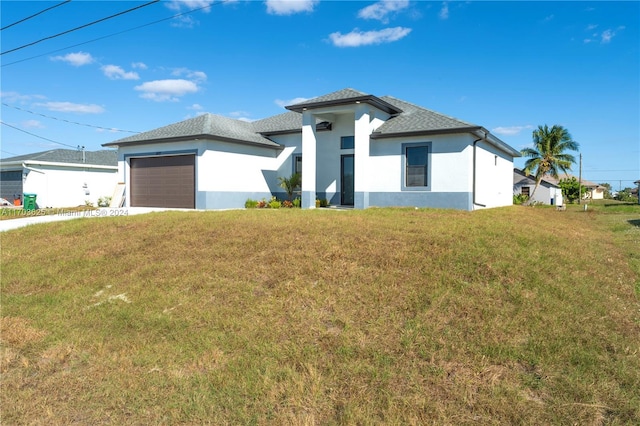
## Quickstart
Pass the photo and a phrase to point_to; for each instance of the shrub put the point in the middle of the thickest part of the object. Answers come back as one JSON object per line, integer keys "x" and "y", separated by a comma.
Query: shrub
{"x": 261, "y": 204}
{"x": 287, "y": 204}
{"x": 520, "y": 198}
{"x": 274, "y": 203}
{"x": 250, "y": 204}
{"x": 297, "y": 202}
{"x": 324, "y": 203}
{"x": 104, "y": 201}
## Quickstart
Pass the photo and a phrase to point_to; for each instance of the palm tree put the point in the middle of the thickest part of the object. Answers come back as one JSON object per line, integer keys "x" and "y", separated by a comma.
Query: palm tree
{"x": 548, "y": 154}
{"x": 290, "y": 184}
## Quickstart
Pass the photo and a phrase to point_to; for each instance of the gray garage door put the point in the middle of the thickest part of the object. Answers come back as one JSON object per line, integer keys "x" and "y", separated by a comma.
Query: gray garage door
{"x": 163, "y": 181}
{"x": 10, "y": 184}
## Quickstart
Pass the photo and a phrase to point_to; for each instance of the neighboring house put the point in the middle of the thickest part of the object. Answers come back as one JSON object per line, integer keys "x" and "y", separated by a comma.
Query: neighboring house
{"x": 351, "y": 148}
{"x": 594, "y": 191}
{"x": 60, "y": 177}
{"x": 547, "y": 192}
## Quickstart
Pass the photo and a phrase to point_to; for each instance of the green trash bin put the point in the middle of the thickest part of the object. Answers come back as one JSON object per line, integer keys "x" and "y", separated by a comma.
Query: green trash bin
{"x": 29, "y": 201}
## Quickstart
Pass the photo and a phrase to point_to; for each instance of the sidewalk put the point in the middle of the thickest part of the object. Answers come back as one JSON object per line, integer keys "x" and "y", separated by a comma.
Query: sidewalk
{"x": 32, "y": 217}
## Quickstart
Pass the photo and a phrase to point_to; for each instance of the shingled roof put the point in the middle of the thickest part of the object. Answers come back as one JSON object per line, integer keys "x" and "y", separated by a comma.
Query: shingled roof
{"x": 406, "y": 119}
{"x": 206, "y": 126}
{"x": 415, "y": 119}
{"x": 343, "y": 97}
{"x": 70, "y": 156}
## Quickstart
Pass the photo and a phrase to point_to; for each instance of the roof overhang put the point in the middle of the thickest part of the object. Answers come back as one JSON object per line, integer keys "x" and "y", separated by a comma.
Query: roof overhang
{"x": 457, "y": 130}
{"x": 271, "y": 145}
{"x": 320, "y": 127}
{"x": 368, "y": 99}
{"x": 26, "y": 163}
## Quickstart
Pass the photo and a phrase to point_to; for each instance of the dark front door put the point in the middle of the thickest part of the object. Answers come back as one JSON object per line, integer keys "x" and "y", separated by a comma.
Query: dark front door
{"x": 346, "y": 180}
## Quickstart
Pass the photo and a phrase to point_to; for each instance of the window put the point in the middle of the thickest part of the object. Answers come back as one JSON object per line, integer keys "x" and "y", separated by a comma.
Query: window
{"x": 416, "y": 165}
{"x": 297, "y": 164}
{"x": 346, "y": 142}
{"x": 525, "y": 190}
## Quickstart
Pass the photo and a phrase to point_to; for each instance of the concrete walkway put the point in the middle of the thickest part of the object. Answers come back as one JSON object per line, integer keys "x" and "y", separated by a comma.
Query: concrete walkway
{"x": 33, "y": 217}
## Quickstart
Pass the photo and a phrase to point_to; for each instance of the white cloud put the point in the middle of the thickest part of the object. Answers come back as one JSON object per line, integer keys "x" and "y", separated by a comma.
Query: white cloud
{"x": 605, "y": 37}
{"x": 179, "y": 5}
{"x": 32, "y": 124}
{"x": 196, "y": 107}
{"x": 77, "y": 59}
{"x": 198, "y": 76}
{"x": 289, "y": 7}
{"x": 362, "y": 38}
{"x": 444, "y": 11}
{"x": 114, "y": 72}
{"x": 548, "y": 18}
{"x": 591, "y": 27}
{"x": 284, "y": 103}
{"x": 71, "y": 107}
{"x": 15, "y": 97}
{"x": 139, "y": 65}
{"x": 511, "y": 130}
{"x": 382, "y": 9}
{"x": 166, "y": 90}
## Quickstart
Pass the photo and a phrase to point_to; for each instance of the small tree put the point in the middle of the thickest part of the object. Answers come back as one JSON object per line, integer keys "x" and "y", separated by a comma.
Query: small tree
{"x": 290, "y": 184}
{"x": 548, "y": 154}
{"x": 607, "y": 190}
{"x": 570, "y": 189}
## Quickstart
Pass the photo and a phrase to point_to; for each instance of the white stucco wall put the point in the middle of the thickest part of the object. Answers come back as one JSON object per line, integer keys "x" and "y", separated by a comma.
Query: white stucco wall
{"x": 225, "y": 172}
{"x": 494, "y": 177}
{"x": 57, "y": 186}
{"x": 449, "y": 163}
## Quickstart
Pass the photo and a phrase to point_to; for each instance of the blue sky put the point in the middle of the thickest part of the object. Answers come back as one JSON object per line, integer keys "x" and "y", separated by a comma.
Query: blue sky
{"x": 508, "y": 66}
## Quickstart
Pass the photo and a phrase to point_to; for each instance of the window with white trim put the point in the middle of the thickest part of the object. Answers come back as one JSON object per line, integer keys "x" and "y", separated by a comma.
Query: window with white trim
{"x": 416, "y": 165}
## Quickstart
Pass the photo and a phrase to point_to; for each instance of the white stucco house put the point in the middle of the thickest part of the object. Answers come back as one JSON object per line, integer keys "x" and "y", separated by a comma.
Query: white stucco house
{"x": 351, "y": 148}
{"x": 594, "y": 191}
{"x": 60, "y": 177}
{"x": 547, "y": 193}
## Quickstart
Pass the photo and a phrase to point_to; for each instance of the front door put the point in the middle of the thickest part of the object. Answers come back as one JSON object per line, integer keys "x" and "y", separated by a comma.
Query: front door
{"x": 346, "y": 180}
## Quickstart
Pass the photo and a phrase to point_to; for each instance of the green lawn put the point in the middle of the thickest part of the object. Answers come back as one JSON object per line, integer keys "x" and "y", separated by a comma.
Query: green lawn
{"x": 520, "y": 315}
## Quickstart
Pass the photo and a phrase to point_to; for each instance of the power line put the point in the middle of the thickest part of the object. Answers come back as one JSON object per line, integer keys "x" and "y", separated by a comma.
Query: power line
{"x": 113, "y": 34}
{"x": 41, "y": 137}
{"x": 34, "y": 15}
{"x": 82, "y": 26}
{"x": 69, "y": 121}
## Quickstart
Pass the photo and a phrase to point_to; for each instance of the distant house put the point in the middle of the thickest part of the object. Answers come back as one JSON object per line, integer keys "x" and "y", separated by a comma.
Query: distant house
{"x": 60, "y": 177}
{"x": 547, "y": 193}
{"x": 594, "y": 191}
{"x": 351, "y": 148}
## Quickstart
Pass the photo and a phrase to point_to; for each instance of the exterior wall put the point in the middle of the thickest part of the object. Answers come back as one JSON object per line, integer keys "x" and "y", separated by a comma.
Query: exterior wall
{"x": 449, "y": 173}
{"x": 227, "y": 174}
{"x": 494, "y": 177}
{"x": 545, "y": 194}
{"x": 68, "y": 187}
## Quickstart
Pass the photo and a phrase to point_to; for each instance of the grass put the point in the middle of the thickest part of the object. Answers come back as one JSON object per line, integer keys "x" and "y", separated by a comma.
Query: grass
{"x": 9, "y": 213}
{"x": 385, "y": 316}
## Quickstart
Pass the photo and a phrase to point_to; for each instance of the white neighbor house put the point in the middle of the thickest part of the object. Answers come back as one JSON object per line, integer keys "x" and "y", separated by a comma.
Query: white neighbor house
{"x": 60, "y": 177}
{"x": 547, "y": 193}
{"x": 351, "y": 148}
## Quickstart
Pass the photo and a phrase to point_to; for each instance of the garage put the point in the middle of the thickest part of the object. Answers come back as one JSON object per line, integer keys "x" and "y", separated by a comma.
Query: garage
{"x": 10, "y": 184}
{"x": 165, "y": 181}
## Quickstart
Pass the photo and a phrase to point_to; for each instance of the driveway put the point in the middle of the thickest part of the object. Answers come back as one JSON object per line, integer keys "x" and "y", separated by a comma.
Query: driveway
{"x": 33, "y": 218}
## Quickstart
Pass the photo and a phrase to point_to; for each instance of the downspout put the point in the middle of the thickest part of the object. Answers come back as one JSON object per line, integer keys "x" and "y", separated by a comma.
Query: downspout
{"x": 475, "y": 203}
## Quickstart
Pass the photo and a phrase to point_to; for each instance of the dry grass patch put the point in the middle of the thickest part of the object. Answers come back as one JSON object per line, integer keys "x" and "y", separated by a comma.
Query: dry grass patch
{"x": 384, "y": 316}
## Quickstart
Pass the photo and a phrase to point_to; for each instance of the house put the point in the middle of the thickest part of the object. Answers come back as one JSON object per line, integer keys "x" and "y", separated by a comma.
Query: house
{"x": 351, "y": 148}
{"x": 547, "y": 193}
{"x": 60, "y": 177}
{"x": 594, "y": 191}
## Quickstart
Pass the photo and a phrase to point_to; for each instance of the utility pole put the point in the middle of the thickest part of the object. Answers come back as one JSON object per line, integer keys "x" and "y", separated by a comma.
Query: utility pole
{"x": 580, "y": 182}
